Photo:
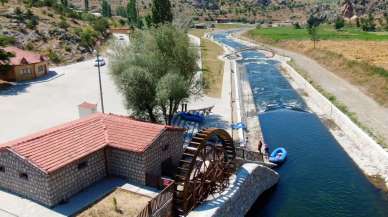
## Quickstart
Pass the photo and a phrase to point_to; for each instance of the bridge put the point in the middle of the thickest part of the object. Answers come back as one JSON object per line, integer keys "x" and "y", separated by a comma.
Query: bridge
{"x": 253, "y": 48}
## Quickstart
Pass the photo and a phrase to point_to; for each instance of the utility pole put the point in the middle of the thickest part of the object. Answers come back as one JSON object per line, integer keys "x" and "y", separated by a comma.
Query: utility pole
{"x": 99, "y": 80}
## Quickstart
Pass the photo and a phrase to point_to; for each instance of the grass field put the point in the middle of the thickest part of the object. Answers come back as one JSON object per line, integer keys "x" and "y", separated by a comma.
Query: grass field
{"x": 359, "y": 57}
{"x": 326, "y": 32}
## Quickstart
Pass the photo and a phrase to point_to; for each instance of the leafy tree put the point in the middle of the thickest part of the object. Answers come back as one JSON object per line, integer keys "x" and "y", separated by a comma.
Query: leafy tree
{"x": 101, "y": 25}
{"x": 3, "y": 2}
{"x": 132, "y": 13}
{"x": 155, "y": 72}
{"x": 368, "y": 24}
{"x": 313, "y": 24}
{"x": 339, "y": 23}
{"x": 4, "y": 55}
{"x": 121, "y": 11}
{"x": 106, "y": 10}
{"x": 88, "y": 38}
{"x": 161, "y": 11}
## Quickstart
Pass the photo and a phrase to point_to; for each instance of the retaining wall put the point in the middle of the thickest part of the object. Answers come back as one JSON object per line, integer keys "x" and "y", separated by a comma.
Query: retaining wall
{"x": 364, "y": 151}
{"x": 249, "y": 182}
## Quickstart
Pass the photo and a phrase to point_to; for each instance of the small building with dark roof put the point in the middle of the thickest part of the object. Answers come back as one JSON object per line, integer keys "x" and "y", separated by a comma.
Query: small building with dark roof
{"x": 25, "y": 65}
{"x": 53, "y": 165}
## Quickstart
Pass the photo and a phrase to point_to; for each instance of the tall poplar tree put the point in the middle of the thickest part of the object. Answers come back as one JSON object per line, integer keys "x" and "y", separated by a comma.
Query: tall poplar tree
{"x": 106, "y": 10}
{"x": 132, "y": 13}
{"x": 161, "y": 11}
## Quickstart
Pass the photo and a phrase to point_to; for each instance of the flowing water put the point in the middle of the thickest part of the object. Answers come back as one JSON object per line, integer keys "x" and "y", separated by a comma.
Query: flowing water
{"x": 318, "y": 179}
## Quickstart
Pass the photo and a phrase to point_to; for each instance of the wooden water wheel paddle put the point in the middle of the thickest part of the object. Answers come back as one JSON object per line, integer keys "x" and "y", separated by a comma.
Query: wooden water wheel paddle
{"x": 204, "y": 169}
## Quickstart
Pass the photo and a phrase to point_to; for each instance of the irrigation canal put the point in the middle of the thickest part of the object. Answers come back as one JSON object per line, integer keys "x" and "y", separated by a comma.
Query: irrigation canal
{"x": 318, "y": 179}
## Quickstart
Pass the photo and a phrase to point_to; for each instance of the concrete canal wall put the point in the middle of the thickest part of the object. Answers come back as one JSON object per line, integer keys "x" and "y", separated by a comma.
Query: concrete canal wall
{"x": 243, "y": 103}
{"x": 369, "y": 156}
{"x": 249, "y": 182}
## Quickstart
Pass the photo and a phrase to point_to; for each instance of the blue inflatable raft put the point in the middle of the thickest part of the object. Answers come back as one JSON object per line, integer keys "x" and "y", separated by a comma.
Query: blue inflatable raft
{"x": 278, "y": 156}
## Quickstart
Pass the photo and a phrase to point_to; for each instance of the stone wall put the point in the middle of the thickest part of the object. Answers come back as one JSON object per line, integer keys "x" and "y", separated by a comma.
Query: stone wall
{"x": 128, "y": 165}
{"x": 70, "y": 180}
{"x": 35, "y": 187}
{"x": 169, "y": 144}
{"x": 249, "y": 182}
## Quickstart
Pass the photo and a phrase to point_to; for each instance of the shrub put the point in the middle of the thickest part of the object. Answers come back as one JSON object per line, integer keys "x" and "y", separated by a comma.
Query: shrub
{"x": 29, "y": 46}
{"x": 54, "y": 57}
{"x": 339, "y": 23}
{"x": 63, "y": 24}
{"x": 296, "y": 25}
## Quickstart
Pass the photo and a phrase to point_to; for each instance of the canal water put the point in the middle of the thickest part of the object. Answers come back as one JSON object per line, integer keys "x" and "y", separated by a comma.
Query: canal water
{"x": 318, "y": 179}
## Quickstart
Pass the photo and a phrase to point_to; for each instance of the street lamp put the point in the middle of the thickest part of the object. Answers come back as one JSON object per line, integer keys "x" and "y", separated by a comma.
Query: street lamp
{"x": 99, "y": 76}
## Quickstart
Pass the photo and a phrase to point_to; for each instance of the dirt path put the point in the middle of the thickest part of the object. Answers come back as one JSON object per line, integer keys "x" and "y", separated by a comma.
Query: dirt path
{"x": 368, "y": 111}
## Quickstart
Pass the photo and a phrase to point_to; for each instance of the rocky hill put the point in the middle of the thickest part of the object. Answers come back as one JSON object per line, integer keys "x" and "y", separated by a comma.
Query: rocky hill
{"x": 64, "y": 37}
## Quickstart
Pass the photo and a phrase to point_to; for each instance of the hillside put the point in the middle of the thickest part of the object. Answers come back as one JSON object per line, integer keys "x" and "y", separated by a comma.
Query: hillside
{"x": 286, "y": 10}
{"x": 63, "y": 35}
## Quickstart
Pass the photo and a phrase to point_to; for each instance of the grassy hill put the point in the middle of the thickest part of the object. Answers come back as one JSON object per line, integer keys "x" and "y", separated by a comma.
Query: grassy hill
{"x": 62, "y": 34}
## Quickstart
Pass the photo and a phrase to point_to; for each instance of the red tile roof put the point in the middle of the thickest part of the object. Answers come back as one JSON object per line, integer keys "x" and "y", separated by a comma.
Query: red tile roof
{"x": 56, "y": 147}
{"x": 24, "y": 57}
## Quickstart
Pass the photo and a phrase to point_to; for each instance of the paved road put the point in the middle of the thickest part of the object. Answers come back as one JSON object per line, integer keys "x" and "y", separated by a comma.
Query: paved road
{"x": 368, "y": 111}
{"x": 29, "y": 108}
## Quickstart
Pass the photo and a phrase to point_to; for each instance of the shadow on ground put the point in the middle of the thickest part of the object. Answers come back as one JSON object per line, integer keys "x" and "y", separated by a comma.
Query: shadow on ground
{"x": 15, "y": 88}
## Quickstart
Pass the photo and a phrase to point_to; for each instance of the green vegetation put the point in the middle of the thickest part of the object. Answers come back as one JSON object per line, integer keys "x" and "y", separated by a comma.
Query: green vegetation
{"x": 339, "y": 23}
{"x": 4, "y": 55}
{"x": 54, "y": 57}
{"x": 155, "y": 72}
{"x": 339, "y": 105}
{"x": 326, "y": 32}
{"x": 313, "y": 24}
{"x": 161, "y": 12}
{"x": 132, "y": 13}
{"x": 106, "y": 10}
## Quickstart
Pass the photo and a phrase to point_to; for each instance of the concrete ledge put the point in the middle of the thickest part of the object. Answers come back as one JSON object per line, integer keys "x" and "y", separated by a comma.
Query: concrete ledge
{"x": 249, "y": 182}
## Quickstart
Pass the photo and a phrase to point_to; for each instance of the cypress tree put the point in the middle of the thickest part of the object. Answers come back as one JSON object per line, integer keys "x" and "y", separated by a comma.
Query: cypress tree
{"x": 132, "y": 13}
{"x": 161, "y": 11}
{"x": 106, "y": 9}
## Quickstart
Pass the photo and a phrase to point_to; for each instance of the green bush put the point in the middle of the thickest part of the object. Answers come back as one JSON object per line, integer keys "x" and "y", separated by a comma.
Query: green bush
{"x": 54, "y": 57}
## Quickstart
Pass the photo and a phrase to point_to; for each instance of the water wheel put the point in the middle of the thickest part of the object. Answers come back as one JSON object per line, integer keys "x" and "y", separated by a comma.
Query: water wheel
{"x": 204, "y": 169}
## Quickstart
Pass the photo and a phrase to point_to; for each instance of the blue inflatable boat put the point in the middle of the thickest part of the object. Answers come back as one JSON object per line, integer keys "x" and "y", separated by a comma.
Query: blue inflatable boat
{"x": 278, "y": 156}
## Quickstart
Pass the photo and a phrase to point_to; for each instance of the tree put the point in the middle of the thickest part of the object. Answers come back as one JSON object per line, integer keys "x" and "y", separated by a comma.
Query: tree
{"x": 101, "y": 25}
{"x": 155, "y": 72}
{"x": 339, "y": 23}
{"x": 3, "y": 2}
{"x": 88, "y": 38}
{"x": 4, "y": 55}
{"x": 161, "y": 11}
{"x": 106, "y": 10}
{"x": 368, "y": 24}
{"x": 312, "y": 28}
{"x": 121, "y": 11}
{"x": 132, "y": 13}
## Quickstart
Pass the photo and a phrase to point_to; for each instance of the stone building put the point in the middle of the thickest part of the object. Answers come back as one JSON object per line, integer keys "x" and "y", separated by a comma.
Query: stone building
{"x": 25, "y": 65}
{"x": 52, "y": 165}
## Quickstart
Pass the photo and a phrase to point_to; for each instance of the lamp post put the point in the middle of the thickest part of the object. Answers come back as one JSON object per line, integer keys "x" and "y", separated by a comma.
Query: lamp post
{"x": 99, "y": 77}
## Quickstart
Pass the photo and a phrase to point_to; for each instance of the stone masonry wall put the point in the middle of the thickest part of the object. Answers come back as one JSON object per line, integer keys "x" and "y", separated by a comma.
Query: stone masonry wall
{"x": 249, "y": 182}
{"x": 129, "y": 165}
{"x": 70, "y": 180}
{"x": 34, "y": 188}
{"x": 169, "y": 144}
